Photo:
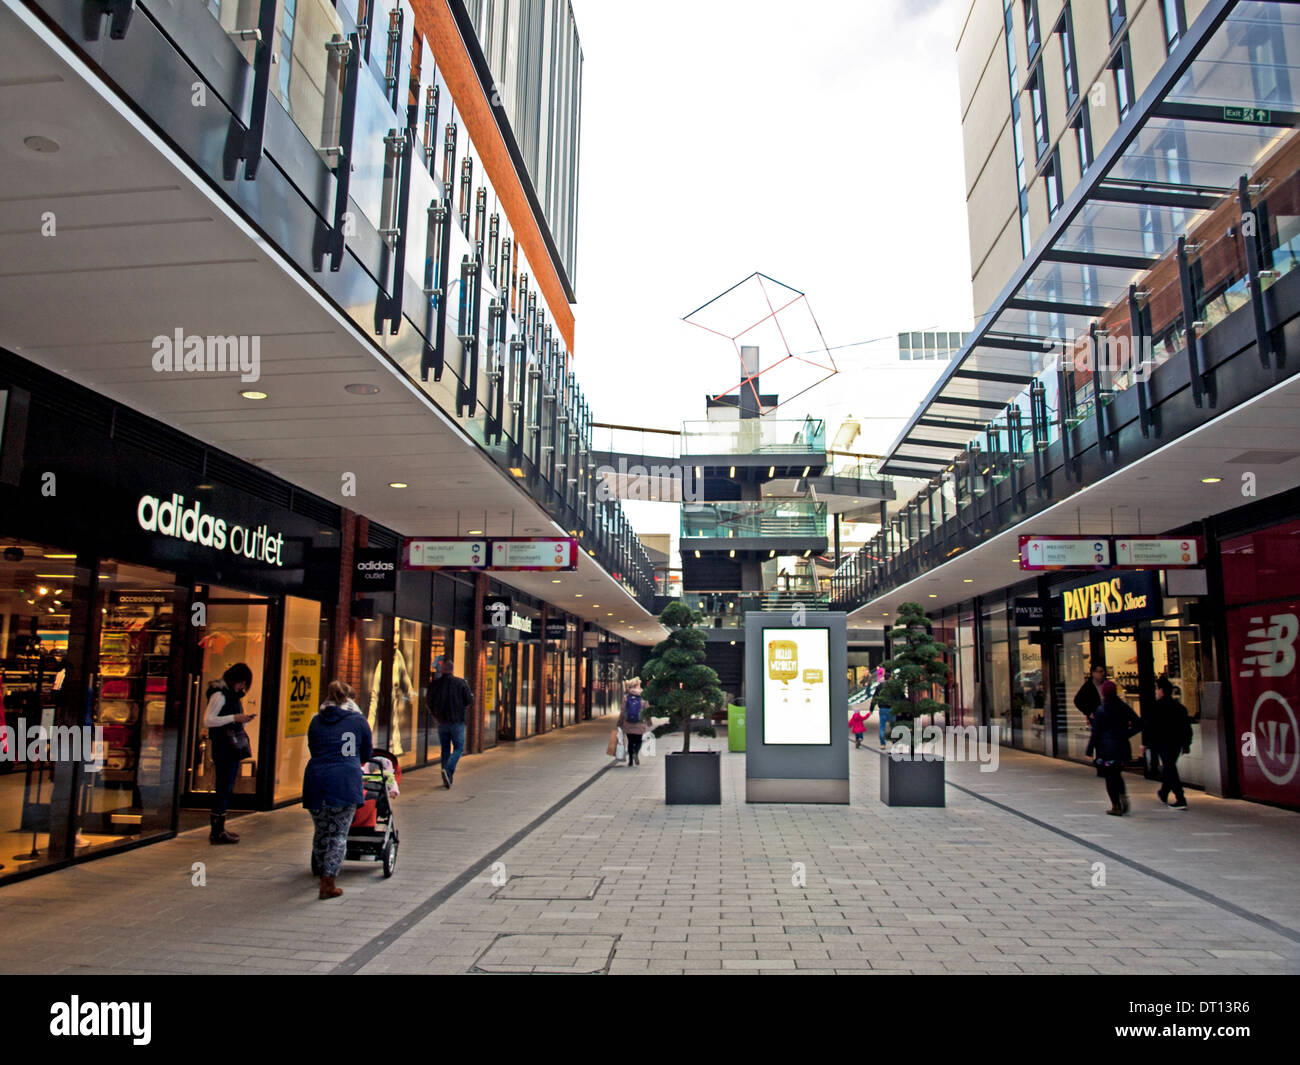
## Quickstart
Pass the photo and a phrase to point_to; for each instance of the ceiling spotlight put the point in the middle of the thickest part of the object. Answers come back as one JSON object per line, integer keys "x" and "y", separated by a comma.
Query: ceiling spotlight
{"x": 475, "y": 532}
{"x": 515, "y": 471}
{"x": 555, "y": 580}
{"x": 398, "y": 484}
{"x": 771, "y": 471}
{"x": 731, "y": 553}
{"x": 1211, "y": 480}
{"x": 805, "y": 470}
{"x": 361, "y": 389}
{"x": 577, "y": 595}
{"x": 732, "y": 472}
{"x": 968, "y": 580}
{"x": 934, "y": 595}
{"x": 250, "y": 393}
{"x": 41, "y": 145}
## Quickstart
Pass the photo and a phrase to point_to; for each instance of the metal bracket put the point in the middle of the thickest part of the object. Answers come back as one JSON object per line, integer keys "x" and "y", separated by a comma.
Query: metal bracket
{"x": 330, "y": 238}
{"x": 388, "y": 304}
{"x": 118, "y": 11}
{"x": 1189, "y": 323}
{"x": 245, "y": 145}
{"x": 1251, "y": 236}
{"x": 437, "y": 252}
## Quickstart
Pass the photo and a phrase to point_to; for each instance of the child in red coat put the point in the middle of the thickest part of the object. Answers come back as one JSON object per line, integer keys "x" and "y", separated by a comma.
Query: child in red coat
{"x": 858, "y": 725}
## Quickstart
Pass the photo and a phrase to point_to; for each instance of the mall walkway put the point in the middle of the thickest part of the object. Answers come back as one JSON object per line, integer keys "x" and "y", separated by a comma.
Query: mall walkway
{"x": 596, "y": 874}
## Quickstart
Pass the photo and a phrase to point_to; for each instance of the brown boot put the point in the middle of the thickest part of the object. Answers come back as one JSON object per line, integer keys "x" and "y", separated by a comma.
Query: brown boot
{"x": 327, "y": 888}
{"x": 218, "y": 833}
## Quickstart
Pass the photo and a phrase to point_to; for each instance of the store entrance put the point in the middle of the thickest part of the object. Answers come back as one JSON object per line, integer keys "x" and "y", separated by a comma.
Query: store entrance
{"x": 237, "y": 630}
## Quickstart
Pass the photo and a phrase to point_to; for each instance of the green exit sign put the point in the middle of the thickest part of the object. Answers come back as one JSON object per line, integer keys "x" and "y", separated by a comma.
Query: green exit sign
{"x": 1257, "y": 115}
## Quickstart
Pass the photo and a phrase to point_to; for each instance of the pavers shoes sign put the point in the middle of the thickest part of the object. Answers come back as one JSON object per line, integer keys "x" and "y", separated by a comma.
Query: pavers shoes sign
{"x": 1111, "y": 601}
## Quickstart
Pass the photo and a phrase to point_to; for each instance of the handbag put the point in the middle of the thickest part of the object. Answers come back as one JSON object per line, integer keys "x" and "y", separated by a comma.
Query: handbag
{"x": 620, "y": 752}
{"x": 237, "y": 742}
{"x": 612, "y": 746}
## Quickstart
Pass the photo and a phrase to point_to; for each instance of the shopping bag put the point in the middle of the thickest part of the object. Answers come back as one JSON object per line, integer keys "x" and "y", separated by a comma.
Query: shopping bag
{"x": 613, "y": 742}
{"x": 620, "y": 752}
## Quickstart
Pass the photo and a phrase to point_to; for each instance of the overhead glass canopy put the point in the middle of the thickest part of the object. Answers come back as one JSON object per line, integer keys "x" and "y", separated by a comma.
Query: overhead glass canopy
{"x": 1221, "y": 103}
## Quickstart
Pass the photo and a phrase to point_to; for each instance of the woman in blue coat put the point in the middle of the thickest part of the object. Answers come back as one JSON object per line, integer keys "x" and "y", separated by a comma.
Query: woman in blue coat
{"x": 340, "y": 744}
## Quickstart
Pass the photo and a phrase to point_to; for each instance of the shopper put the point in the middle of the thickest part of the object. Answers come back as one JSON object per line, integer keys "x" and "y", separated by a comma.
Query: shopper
{"x": 1113, "y": 723}
{"x": 450, "y": 699}
{"x": 1088, "y": 697}
{"x": 340, "y": 743}
{"x": 884, "y": 715}
{"x": 634, "y": 719}
{"x": 858, "y": 725}
{"x": 1167, "y": 730}
{"x": 228, "y": 741}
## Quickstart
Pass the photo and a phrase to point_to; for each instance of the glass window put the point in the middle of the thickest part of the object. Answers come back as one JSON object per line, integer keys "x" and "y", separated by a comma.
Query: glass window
{"x": 404, "y": 689}
{"x": 1038, "y": 111}
{"x": 1065, "y": 29}
{"x": 237, "y": 630}
{"x": 302, "y": 687}
{"x": 1083, "y": 137}
{"x": 1175, "y": 22}
{"x": 131, "y": 794}
{"x": 1117, "y": 15}
{"x": 286, "y": 50}
{"x": 37, "y": 586}
{"x": 1052, "y": 178}
{"x": 370, "y": 697}
{"x": 1071, "y": 726}
{"x": 1123, "y": 79}
{"x": 1032, "y": 38}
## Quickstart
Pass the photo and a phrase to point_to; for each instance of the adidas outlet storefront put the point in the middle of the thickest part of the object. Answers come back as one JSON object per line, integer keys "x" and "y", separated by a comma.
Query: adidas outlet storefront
{"x": 136, "y": 566}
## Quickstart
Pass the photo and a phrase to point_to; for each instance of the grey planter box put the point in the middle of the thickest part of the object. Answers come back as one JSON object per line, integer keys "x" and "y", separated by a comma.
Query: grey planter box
{"x": 693, "y": 779}
{"x": 914, "y": 783}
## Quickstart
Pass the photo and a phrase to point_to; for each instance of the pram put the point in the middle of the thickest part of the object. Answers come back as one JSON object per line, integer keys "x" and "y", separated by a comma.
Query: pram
{"x": 373, "y": 835}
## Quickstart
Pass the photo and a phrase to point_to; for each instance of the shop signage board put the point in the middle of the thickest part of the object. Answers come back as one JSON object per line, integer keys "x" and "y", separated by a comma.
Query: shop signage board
{"x": 1110, "y": 600}
{"x": 556, "y": 629}
{"x": 374, "y": 570}
{"x": 796, "y": 704}
{"x": 610, "y": 648}
{"x": 534, "y": 553}
{"x": 1028, "y": 612}
{"x": 304, "y": 692}
{"x": 1064, "y": 552}
{"x": 450, "y": 553}
{"x": 1160, "y": 552}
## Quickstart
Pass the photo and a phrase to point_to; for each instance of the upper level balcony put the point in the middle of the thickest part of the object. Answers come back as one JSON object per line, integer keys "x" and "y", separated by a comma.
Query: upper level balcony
{"x": 1161, "y": 299}
{"x": 713, "y": 443}
{"x": 768, "y": 519}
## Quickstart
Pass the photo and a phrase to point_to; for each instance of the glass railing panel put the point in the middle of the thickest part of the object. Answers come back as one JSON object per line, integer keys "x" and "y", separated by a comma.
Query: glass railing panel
{"x": 747, "y": 436}
{"x": 768, "y": 518}
{"x": 309, "y": 81}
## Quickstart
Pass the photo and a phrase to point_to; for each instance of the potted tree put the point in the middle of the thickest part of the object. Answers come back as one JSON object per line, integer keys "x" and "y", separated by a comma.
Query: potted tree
{"x": 679, "y": 686}
{"x": 906, "y": 777}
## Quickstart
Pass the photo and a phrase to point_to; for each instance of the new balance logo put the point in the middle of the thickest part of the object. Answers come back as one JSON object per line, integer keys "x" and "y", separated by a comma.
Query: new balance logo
{"x": 1272, "y": 651}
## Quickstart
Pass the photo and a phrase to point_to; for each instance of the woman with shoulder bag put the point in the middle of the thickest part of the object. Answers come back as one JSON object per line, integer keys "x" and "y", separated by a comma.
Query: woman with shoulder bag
{"x": 225, "y": 719}
{"x": 634, "y": 720}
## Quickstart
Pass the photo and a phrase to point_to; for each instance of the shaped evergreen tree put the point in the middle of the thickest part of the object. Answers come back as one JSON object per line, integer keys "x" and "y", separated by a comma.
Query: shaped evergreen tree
{"x": 678, "y": 685}
{"x": 917, "y": 667}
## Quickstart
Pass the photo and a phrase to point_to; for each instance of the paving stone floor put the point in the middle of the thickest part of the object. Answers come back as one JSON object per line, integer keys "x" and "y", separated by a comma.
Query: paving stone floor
{"x": 543, "y": 858}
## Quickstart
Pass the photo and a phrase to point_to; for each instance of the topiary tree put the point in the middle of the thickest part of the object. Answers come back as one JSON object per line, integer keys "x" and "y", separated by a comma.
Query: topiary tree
{"x": 917, "y": 666}
{"x": 676, "y": 681}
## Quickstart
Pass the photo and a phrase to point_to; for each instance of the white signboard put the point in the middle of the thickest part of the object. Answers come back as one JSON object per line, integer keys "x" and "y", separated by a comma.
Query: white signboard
{"x": 554, "y": 554}
{"x": 1157, "y": 551}
{"x": 446, "y": 554}
{"x": 1037, "y": 552}
{"x": 796, "y": 686}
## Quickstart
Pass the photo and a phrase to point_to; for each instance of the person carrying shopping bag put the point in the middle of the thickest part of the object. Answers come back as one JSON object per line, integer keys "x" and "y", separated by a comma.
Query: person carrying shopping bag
{"x": 634, "y": 720}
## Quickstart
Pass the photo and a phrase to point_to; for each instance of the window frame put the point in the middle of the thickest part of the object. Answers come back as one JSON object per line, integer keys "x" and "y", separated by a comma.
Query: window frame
{"x": 1069, "y": 64}
{"x": 1037, "y": 93}
{"x": 1117, "y": 16}
{"x": 1121, "y": 66}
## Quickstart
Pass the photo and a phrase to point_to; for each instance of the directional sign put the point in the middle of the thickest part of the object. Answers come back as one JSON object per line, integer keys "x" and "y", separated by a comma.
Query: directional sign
{"x": 1165, "y": 552}
{"x": 452, "y": 553}
{"x": 1064, "y": 552}
{"x": 534, "y": 553}
{"x": 1253, "y": 115}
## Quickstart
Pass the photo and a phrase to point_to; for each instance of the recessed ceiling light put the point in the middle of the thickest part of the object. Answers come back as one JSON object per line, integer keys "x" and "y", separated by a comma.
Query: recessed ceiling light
{"x": 968, "y": 580}
{"x": 1211, "y": 480}
{"x": 42, "y": 145}
{"x": 359, "y": 389}
{"x": 515, "y": 471}
{"x": 250, "y": 393}
{"x": 555, "y": 580}
{"x": 934, "y": 595}
{"x": 475, "y": 532}
{"x": 577, "y": 595}
{"x": 197, "y": 488}
{"x": 398, "y": 484}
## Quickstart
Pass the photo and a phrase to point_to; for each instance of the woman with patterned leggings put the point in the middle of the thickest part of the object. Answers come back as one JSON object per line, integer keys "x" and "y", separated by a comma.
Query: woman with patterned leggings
{"x": 340, "y": 743}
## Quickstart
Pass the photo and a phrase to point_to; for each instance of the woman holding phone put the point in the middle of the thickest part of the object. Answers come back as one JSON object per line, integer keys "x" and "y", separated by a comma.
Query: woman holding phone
{"x": 225, "y": 719}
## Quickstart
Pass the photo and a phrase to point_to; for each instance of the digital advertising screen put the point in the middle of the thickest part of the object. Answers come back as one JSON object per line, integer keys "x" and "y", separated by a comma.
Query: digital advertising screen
{"x": 796, "y": 686}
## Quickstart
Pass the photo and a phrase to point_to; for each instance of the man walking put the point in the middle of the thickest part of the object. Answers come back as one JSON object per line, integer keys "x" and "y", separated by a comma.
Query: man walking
{"x": 450, "y": 699}
{"x": 1088, "y": 698}
{"x": 1168, "y": 732}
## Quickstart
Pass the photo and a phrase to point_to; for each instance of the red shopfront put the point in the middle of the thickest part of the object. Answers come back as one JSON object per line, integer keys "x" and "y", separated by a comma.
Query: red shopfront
{"x": 1261, "y": 585}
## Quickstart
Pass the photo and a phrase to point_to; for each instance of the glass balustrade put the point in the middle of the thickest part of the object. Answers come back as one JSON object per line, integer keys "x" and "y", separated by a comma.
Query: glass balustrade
{"x": 765, "y": 518}
{"x": 751, "y": 436}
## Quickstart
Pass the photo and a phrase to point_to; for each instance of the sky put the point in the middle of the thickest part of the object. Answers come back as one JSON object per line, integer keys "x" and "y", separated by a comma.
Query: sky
{"x": 817, "y": 143}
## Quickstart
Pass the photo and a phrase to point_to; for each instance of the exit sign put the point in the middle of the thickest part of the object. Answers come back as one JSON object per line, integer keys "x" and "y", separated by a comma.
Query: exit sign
{"x": 1258, "y": 116}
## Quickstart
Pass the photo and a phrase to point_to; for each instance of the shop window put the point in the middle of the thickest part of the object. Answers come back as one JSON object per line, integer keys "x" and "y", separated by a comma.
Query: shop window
{"x": 371, "y": 696}
{"x": 237, "y": 629}
{"x": 37, "y": 585}
{"x": 404, "y": 689}
{"x": 302, "y": 688}
{"x": 131, "y": 793}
